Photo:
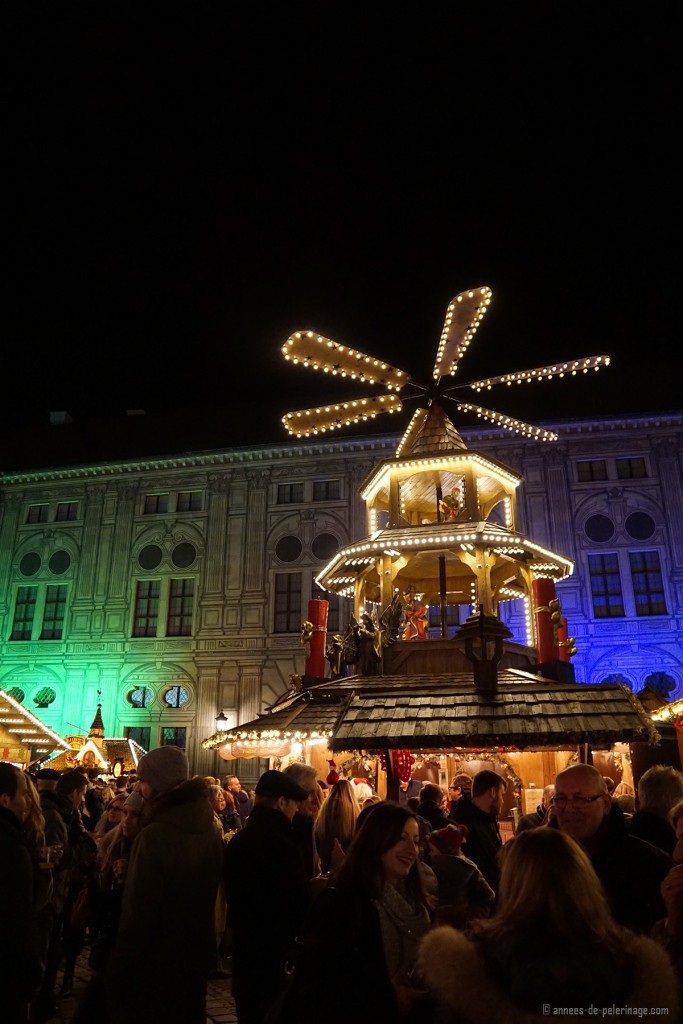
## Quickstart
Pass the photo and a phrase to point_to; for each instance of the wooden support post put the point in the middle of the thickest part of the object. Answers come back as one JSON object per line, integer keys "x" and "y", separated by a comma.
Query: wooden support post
{"x": 392, "y": 778}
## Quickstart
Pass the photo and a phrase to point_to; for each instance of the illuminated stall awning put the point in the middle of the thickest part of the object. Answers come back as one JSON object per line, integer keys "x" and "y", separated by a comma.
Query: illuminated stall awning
{"x": 23, "y": 737}
{"x": 306, "y": 716}
{"x": 669, "y": 714}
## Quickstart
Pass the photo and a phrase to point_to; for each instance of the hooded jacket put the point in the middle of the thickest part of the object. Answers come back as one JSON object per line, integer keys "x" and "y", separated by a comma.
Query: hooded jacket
{"x": 167, "y": 913}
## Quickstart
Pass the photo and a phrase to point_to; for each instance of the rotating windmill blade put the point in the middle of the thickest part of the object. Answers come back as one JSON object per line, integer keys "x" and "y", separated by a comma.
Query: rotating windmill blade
{"x": 306, "y": 348}
{"x": 464, "y": 314}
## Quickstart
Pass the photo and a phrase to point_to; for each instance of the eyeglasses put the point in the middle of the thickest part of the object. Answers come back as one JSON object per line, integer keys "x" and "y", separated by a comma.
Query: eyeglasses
{"x": 580, "y": 801}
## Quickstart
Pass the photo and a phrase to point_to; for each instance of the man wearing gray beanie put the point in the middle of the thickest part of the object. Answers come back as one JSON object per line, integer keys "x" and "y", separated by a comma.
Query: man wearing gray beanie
{"x": 169, "y": 897}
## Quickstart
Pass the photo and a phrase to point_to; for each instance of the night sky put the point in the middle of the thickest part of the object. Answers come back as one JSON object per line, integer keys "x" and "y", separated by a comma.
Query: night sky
{"x": 187, "y": 185}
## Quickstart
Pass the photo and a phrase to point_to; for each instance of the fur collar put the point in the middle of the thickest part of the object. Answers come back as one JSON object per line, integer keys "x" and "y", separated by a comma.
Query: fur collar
{"x": 456, "y": 975}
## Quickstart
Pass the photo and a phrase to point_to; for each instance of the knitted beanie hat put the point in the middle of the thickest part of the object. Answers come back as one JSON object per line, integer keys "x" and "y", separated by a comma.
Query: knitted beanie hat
{"x": 164, "y": 768}
{"x": 448, "y": 839}
{"x": 135, "y": 803}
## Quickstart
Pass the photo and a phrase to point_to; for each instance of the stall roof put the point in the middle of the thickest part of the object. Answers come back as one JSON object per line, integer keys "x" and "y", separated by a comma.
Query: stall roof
{"x": 302, "y": 717}
{"x": 127, "y": 751}
{"x": 29, "y": 730}
{"x": 526, "y": 712}
{"x": 444, "y": 711}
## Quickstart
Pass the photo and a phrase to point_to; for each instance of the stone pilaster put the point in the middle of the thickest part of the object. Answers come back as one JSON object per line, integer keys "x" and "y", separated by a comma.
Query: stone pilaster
{"x": 120, "y": 570}
{"x": 90, "y": 542}
{"x": 256, "y": 530}
{"x": 216, "y": 540}
{"x": 11, "y": 510}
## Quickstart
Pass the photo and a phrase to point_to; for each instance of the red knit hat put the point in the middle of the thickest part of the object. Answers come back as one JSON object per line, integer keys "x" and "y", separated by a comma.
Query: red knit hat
{"x": 448, "y": 839}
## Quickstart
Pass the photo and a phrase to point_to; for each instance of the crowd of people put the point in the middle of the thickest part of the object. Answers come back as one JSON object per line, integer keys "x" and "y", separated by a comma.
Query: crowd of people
{"x": 332, "y": 903}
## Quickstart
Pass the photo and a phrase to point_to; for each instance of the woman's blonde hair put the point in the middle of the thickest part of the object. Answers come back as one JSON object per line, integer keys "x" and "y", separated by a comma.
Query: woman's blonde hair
{"x": 34, "y": 826}
{"x": 548, "y": 884}
{"x": 316, "y": 800}
{"x": 336, "y": 820}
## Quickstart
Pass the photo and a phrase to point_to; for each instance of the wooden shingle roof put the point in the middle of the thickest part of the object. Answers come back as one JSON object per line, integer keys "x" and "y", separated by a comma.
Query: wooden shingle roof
{"x": 439, "y": 712}
{"x": 444, "y": 711}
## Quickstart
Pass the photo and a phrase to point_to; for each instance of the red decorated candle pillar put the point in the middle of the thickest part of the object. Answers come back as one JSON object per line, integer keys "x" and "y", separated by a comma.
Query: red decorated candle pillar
{"x": 543, "y": 591}
{"x": 315, "y": 652}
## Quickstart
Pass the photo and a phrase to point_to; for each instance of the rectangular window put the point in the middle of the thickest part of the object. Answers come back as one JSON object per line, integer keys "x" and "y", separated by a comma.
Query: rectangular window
{"x": 594, "y": 469}
{"x": 608, "y": 602}
{"x": 155, "y": 503}
{"x": 287, "y": 602}
{"x": 648, "y": 588}
{"x": 326, "y": 490}
{"x": 24, "y": 613}
{"x": 147, "y": 608}
{"x": 318, "y": 594}
{"x": 139, "y": 733}
{"x": 288, "y": 494}
{"x": 54, "y": 614}
{"x": 180, "y": 604}
{"x": 67, "y": 511}
{"x": 174, "y": 737}
{"x": 189, "y": 501}
{"x": 631, "y": 469}
{"x": 37, "y": 513}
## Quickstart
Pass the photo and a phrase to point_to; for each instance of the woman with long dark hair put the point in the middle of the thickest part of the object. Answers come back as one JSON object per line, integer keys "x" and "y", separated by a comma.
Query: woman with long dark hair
{"x": 372, "y": 916}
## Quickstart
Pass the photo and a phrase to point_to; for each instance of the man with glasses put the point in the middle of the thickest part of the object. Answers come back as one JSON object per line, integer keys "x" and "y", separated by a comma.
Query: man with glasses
{"x": 630, "y": 870}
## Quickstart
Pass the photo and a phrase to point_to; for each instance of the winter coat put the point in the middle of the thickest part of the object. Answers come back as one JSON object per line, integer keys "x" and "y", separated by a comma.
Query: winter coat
{"x": 461, "y": 884}
{"x": 631, "y": 872}
{"x": 243, "y": 805}
{"x": 652, "y": 829}
{"x": 533, "y": 820}
{"x": 340, "y": 920}
{"x": 474, "y": 989}
{"x": 159, "y": 966}
{"x": 483, "y": 841}
{"x": 432, "y": 813}
{"x": 266, "y": 889}
{"x": 268, "y": 896}
{"x": 19, "y": 962}
{"x": 63, "y": 826}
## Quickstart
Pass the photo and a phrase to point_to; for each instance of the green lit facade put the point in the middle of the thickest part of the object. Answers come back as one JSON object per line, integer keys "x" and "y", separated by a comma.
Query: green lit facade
{"x": 176, "y": 587}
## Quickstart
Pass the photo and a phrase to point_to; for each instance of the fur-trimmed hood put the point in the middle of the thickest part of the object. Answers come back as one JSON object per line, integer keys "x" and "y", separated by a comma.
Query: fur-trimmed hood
{"x": 456, "y": 975}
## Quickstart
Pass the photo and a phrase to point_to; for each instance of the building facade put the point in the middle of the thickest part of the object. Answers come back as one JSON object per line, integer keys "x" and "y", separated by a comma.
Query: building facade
{"x": 176, "y": 587}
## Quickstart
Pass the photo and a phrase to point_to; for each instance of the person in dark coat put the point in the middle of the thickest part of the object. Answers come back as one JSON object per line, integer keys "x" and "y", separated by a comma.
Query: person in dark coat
{"x": 19, "y": 961}
{"x": 158, "y": 969}
{"x": 267, "y": 892}
{"x": 463, "y": 892}
{"x": 428, "y": 806}
{"x": 374, "y": 915}
{"x": 540, "y": 815}
{"x": 669, "y": 932}
{"x": 243, "y": 804}
{"x": 480, "y": 815}
{"x": 660, "y": 788}
{"x": 630, "y": 870}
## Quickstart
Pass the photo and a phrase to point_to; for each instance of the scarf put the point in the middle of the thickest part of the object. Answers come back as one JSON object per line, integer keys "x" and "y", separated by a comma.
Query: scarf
{"x": 403, "y": 925}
